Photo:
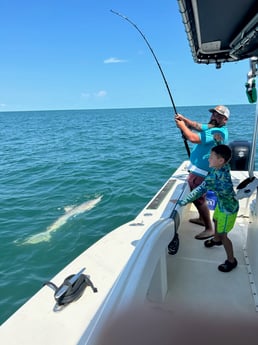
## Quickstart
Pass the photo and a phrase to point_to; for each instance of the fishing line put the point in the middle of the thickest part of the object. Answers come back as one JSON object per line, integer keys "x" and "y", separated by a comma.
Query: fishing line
{"x": 160, "y": 69}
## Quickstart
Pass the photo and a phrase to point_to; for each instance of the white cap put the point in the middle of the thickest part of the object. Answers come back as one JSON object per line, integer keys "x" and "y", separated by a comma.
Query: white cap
{"x": 222, "y": 110}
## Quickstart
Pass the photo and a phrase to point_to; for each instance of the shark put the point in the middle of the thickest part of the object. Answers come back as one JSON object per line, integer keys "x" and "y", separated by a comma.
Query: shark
{"x": 70, "y": 212}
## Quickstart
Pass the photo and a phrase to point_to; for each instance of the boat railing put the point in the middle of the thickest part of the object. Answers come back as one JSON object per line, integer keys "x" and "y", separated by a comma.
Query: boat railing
{"x": 144, "y": 276}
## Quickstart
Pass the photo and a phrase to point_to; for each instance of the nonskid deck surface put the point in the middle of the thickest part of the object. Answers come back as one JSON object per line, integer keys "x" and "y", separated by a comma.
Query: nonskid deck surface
{"x": 196, "y": 284}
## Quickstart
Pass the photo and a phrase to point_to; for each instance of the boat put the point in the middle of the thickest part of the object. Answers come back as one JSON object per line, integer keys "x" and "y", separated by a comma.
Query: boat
{"x": 128, "y": 288}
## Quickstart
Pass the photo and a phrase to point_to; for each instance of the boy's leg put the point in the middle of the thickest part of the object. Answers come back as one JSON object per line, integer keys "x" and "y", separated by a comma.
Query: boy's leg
{"x": 228, "y": 247}
{"x": 216, "y": 235}
{"x": 231, "y": 262}
{"x": 215, "y": 240}
{"x": 225, "y": 223}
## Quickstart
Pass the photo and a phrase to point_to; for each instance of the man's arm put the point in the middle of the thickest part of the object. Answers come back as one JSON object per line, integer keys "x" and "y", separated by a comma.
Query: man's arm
{"x": 191, "y": 136}
{"x": 189, "y": 123}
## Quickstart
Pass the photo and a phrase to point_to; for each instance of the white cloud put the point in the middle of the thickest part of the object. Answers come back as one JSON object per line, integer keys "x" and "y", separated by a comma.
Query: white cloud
{"x": 114, "y": 60}
{"x": 98, "y": 94}
{"x": 85, "y": 95}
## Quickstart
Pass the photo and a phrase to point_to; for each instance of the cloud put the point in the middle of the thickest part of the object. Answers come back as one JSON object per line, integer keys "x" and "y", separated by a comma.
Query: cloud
{"x": 114, "y": 60}
{"x": 2, "y": 105}
{"x": 99, "y": 94}
{"x": 85, "y": 95}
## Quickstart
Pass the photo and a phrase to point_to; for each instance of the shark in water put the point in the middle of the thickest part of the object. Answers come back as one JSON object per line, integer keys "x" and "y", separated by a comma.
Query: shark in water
{"x": 70, "y": 212}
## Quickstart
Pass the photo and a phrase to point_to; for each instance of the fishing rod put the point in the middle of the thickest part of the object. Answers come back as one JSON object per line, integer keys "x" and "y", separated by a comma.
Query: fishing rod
{"x": 161, "y": 71}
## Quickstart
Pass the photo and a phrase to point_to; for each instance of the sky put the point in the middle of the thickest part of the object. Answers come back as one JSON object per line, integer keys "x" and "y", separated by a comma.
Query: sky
{"x": 77, "y": 54}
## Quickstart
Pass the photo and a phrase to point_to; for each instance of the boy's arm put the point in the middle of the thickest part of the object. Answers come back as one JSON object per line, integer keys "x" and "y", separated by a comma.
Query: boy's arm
{"x": 194, "y": 194}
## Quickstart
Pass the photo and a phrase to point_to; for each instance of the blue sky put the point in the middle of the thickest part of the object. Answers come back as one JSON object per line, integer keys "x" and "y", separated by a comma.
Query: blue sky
{"x": 76, "y": 54}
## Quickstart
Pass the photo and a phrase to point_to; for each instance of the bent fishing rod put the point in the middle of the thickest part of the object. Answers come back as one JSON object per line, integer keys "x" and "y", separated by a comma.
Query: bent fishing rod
{"x": 160, "y": 69}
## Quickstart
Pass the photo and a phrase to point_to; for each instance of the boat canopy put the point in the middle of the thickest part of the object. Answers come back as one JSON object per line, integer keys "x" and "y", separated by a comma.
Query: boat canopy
{"x": 222, "y": 30}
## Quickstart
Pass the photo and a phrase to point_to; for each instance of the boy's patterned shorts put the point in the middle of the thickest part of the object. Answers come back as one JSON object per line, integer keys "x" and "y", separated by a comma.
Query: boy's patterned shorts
{"x": 225, "y": 222}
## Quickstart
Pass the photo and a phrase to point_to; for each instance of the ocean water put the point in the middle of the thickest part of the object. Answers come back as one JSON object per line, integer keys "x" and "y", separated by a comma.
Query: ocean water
{"x": 102, "y": 166}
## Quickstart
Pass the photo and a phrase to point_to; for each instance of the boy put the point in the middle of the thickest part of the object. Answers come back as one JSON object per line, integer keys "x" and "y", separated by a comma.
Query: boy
{"x": 219, "y": 180}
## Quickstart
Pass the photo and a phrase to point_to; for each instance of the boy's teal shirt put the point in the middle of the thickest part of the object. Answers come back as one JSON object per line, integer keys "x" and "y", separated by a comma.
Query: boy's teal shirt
{"x": 219, "y": 181}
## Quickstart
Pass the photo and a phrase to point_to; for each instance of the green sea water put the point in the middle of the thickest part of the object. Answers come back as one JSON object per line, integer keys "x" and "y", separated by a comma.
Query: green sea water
{"x": 52, "y": 161}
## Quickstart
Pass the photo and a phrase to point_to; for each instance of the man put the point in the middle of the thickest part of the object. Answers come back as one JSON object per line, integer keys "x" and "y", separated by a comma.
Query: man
{"x": 204, "y": 136}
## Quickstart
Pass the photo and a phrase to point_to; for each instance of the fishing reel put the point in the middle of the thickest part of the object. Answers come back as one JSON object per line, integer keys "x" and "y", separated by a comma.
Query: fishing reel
{"x": 173, "y": 245}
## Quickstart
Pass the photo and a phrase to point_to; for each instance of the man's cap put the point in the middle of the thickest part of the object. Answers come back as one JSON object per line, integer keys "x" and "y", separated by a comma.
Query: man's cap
{"x": 222, "y": 110}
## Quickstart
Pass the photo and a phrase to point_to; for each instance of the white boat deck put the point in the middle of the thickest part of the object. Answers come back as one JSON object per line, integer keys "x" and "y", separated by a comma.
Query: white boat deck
{"x": 196, "y": 284}
{"x": 202, "y": 305}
